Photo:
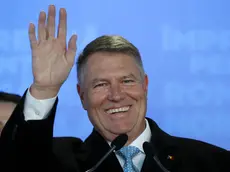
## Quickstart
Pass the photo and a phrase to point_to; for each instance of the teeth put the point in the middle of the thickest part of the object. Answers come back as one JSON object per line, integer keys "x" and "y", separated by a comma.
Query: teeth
{"x": 122, "y": 109}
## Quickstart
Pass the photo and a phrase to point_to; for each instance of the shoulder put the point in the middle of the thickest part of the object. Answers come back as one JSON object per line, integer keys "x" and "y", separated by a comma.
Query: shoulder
{"x": 66, "y": 145}
{"x": 196, "y": 144}
{"x": 70, "y": 141}
{"x": 68, "y": 151}
{"x": 203, "y": 150}
{"x": 186, "y": 143}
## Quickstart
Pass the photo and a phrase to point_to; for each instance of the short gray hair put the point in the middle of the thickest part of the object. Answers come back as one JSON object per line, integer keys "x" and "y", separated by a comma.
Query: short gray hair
{"x": 108, "y": 43}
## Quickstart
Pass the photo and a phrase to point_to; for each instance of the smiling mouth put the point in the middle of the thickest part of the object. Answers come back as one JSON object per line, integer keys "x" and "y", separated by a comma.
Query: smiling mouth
{"x": 118, "y": 110}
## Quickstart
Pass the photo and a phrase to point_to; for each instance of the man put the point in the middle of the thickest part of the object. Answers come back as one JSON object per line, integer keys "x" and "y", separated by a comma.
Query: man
{"x": 112, "y": 87}
{"x": 8, "y": 101}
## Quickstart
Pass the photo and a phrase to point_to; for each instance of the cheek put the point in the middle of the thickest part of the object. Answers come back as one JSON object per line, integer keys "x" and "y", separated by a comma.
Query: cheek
{"x": 95, "y": 99}
{"x": 137, "y": 93}
{"x": 139, "y": 96}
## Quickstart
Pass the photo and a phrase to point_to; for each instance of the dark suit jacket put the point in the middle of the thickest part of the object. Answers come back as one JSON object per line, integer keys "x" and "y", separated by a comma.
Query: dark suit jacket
{"x": 31, "y": 145}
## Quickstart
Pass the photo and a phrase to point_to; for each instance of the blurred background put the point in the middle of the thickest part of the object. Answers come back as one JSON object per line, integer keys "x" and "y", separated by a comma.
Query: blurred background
{"x": 185, "y": 46}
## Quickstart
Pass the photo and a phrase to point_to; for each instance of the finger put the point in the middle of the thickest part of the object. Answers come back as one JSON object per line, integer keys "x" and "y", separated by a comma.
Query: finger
{"x": 72, "y": 48}
{"x": 51, "y": 22}
{"x": 41, "y": 26}
{"x": 62, "y": 26}
{"x": 32, "y": 36}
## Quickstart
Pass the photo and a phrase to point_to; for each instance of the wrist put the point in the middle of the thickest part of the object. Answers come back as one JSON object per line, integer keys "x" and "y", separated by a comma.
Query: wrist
{"x": 40, "y": 92}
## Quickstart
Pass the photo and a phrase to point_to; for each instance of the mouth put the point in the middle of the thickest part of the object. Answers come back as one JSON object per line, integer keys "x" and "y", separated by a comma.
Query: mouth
{"x": 118, "y": 110}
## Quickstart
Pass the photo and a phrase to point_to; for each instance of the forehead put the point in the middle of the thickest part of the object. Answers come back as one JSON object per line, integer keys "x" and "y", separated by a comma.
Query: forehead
{"x": 111, "y": 64}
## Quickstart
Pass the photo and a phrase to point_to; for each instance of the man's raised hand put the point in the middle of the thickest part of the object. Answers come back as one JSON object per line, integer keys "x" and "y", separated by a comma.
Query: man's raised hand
{"x": 52, "y": 61}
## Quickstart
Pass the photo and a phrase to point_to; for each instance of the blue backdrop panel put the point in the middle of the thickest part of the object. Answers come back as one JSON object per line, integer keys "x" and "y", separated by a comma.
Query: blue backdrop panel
{"x": 185, "y": 46}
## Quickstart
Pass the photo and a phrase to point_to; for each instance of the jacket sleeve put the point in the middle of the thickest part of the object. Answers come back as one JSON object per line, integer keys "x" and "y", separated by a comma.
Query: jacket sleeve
{"x": 25, "y": 144}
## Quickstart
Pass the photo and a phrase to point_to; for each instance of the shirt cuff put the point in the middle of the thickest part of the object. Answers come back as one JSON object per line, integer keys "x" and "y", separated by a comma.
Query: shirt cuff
{"x": 35, "y": 109}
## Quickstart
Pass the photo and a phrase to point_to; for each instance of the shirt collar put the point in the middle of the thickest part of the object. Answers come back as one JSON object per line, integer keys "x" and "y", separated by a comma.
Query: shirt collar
{"x": 145, "y": 136}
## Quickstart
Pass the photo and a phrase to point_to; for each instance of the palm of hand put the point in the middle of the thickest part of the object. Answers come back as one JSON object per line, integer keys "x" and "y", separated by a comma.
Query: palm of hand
{"x": 51, "y": 60}
{"x": 50, "y": 66}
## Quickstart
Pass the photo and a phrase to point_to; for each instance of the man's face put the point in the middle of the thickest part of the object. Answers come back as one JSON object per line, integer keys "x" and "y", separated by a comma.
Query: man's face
{"x": 114, "y": 95}
{"x": 6, "y": 110}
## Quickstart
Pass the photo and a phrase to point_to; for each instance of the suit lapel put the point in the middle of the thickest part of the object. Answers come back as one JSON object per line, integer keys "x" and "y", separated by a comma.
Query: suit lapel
{"x": 98, "y": 147}
{"x": 162, "y": 143}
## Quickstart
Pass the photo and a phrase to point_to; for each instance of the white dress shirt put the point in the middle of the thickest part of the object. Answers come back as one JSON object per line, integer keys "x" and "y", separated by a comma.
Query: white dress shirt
{"x": 35, "y": 109}
{"x": 138, "y": 160}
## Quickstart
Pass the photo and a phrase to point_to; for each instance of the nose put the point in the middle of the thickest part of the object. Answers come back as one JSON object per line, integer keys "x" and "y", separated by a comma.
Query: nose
{"x": 116, "y": 93}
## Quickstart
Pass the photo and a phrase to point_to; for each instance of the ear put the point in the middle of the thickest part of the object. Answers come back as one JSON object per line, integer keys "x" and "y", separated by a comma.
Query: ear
{"x": 81, "y": 95}
{"x": 146, "y": 83}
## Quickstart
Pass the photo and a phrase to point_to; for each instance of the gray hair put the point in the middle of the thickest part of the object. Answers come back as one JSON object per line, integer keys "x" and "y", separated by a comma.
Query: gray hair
{"x": 108, "y": 43}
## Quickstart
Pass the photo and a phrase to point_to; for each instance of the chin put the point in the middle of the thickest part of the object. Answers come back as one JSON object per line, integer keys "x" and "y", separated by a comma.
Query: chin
{"x": 121, "y": 130}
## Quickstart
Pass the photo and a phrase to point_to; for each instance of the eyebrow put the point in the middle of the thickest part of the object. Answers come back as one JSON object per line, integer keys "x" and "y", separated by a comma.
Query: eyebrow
{"x": 96, "y": 80}
{"x": 129, "y": 76}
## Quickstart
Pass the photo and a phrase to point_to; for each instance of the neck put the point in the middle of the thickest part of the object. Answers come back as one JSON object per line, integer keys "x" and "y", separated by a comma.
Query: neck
{"x": 133, "y": 136}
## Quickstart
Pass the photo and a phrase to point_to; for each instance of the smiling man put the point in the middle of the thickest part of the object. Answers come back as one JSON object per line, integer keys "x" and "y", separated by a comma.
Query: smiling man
{"x": 112, "y": 86}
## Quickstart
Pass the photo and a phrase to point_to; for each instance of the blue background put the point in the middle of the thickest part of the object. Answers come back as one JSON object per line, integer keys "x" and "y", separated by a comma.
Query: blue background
{"x": 185, "y": 46}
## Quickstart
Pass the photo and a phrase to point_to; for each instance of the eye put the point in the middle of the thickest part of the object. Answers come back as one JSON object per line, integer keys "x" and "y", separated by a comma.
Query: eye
{"x": 127, "y": 81}
{"x": 100, "y": 85}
